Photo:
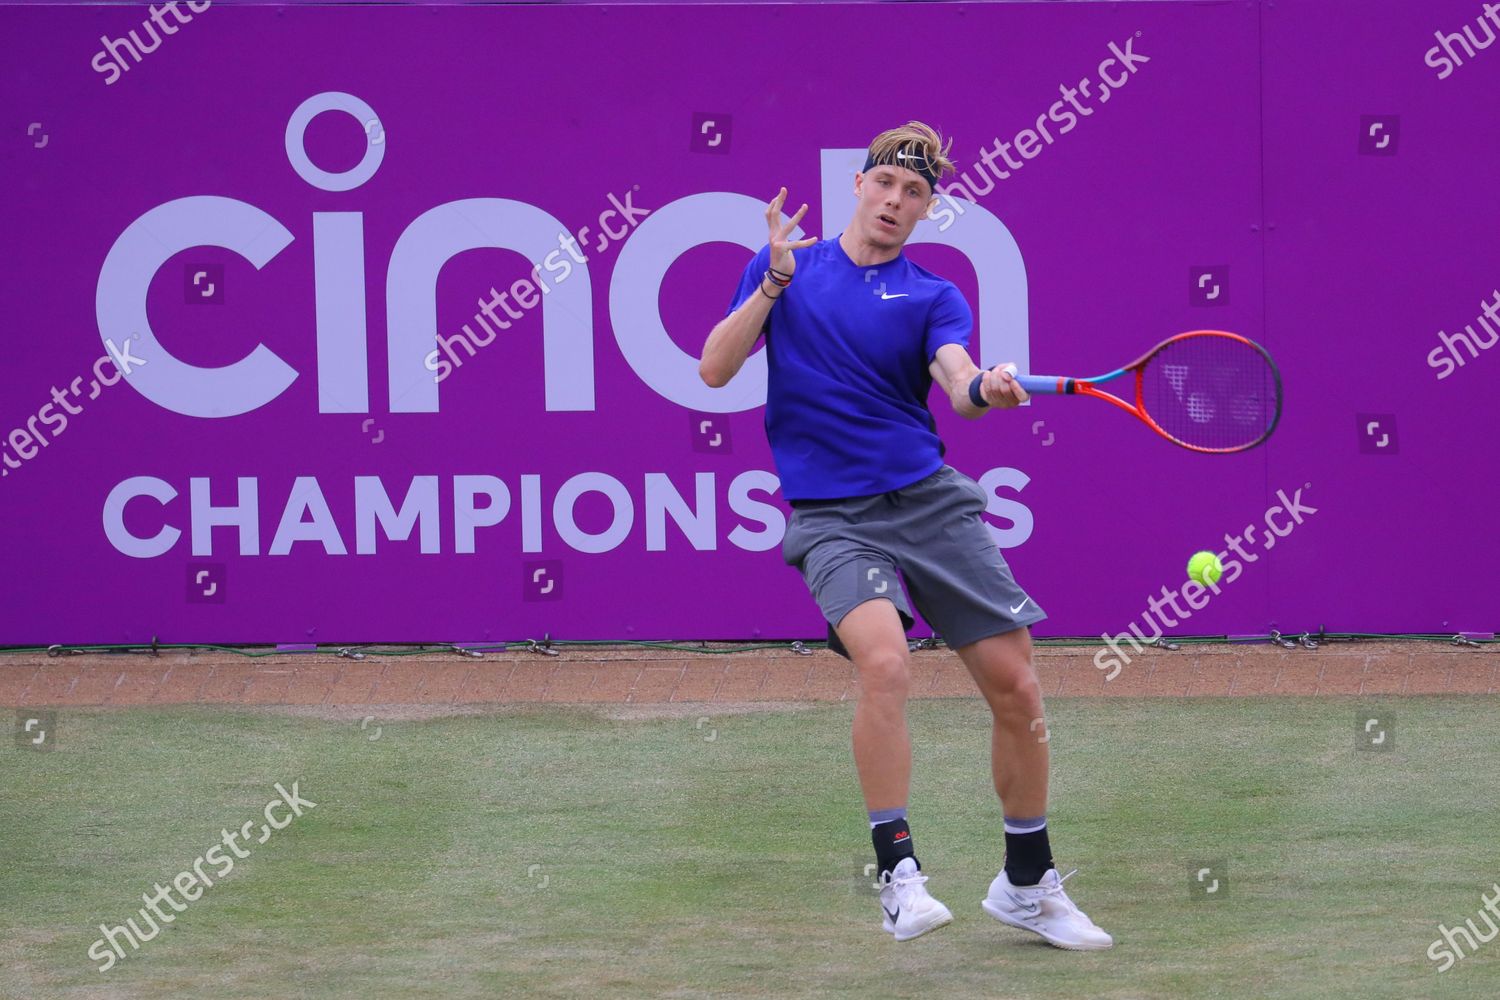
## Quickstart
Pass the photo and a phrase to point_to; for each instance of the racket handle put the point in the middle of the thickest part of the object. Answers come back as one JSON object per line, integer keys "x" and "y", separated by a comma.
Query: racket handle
{"x": 1034, "y": 384}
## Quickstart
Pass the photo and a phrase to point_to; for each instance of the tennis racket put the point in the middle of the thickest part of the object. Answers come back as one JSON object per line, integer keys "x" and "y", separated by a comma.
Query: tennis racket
{"x": 1207, "y": 391}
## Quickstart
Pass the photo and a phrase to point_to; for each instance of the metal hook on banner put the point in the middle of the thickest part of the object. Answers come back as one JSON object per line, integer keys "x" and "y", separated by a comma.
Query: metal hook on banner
{"x": 57, "y": 649}
{"x": 1163, "y": 643}
{"x": 463, "y": 650}
{"x": 800, "y": 648}
{"x": 350, "y": 654}
{"x": 1463, "y": 640}
{"x": 930, "y": 642}
{"x": 544, "y": 647}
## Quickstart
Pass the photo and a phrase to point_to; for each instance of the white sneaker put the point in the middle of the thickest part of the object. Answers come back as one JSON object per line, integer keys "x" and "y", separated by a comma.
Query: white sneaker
{"x": 1046, "y": 910}
{"x": 909, "y": 910}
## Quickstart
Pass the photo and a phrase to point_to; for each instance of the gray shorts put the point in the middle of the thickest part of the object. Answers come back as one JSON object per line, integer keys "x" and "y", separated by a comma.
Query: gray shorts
{"x": 929, "y": 536}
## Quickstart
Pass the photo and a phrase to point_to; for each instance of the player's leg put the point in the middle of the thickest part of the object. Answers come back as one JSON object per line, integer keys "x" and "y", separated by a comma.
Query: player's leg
{"x": 1002, "y": 669}
{"x": 875, "y": 640}
{"x": 1028, "y": 892}
{"x": 962, "y": 585}
{"x": 858, "y": 591}
{"x": 835, "y": 546}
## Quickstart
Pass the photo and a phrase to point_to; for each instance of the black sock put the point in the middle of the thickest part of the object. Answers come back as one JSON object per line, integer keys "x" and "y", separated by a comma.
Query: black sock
{"x": 892, "y": 843}
{"x": 1027, "y": 856}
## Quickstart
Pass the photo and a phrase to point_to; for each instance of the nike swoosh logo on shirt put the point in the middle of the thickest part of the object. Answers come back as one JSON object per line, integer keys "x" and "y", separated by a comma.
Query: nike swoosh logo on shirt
{"x": 1018, "y": 607}
{"x": 898, "y": 295}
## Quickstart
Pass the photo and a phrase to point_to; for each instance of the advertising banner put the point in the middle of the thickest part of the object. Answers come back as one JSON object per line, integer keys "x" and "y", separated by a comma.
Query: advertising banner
{"x": 381, "y": 323}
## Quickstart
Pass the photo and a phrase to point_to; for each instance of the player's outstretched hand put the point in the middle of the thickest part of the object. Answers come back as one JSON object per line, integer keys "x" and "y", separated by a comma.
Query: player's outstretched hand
{"x": 1000, "y": 388}
{"x": 781, "y": 247}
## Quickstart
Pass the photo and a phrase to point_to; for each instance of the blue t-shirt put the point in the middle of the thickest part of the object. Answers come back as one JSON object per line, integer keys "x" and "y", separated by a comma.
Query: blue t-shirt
{"x": 848, "y": 350}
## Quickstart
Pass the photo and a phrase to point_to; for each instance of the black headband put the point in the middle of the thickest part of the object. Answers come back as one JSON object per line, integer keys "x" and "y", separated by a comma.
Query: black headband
{"x": 913, "y": 161}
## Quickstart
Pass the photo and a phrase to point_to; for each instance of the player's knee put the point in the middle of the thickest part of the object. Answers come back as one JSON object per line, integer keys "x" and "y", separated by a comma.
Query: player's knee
{"x": 885, "y": 674}
{"x": 1028, "y": 694}
{"x": 1014, "y": 688}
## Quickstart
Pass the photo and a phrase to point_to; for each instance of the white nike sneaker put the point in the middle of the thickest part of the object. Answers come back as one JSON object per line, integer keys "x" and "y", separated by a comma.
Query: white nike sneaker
{"x": 1046, "y": 910}
{"x": 909, "y": 910}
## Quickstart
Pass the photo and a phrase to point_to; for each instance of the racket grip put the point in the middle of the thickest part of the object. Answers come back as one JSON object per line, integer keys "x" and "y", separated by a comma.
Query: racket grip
{"x": 1033, "y": 384}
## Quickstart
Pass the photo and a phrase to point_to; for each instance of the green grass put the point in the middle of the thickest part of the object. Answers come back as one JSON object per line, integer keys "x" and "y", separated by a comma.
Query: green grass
{"x": 560, "y": 854}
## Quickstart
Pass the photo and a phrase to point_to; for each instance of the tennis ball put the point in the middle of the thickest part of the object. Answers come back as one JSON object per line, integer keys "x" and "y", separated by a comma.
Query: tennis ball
{"x": 1205, "y": 568}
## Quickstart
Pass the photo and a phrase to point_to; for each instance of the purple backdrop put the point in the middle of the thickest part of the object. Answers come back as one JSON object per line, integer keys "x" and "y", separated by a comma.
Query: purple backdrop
{"x": 1304, "y": 173}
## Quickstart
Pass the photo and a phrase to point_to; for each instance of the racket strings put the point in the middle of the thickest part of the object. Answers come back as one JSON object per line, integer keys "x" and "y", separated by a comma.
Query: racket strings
{"x": 1212, "y": 392}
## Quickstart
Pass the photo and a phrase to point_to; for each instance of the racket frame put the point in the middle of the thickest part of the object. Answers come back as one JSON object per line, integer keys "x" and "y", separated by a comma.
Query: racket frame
{"x": 1066, "y": 386}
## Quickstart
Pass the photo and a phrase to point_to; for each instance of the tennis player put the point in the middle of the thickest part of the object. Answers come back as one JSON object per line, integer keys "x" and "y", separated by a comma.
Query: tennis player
{"x": 856, "y": 334}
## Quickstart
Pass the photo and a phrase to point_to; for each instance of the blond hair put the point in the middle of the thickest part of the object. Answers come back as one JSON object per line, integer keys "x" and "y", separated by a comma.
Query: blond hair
{"x": 915, "y": 146}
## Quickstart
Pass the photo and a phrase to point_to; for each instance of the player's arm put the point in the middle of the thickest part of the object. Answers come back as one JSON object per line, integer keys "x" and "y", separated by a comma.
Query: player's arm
{"x": 955, "y": 372}
{"x": 734, "y": 336}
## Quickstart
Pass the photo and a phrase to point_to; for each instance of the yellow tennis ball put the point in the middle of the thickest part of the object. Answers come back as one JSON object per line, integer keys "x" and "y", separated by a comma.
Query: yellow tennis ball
{"x": 1205, "y": 568}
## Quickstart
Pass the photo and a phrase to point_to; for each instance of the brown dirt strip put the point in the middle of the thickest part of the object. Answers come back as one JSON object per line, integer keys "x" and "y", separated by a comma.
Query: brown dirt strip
{"x": 634, "y": 675}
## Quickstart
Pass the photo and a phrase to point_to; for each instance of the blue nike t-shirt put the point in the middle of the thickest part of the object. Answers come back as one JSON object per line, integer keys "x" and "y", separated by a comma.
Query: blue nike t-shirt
{"x": 848, "y": 350}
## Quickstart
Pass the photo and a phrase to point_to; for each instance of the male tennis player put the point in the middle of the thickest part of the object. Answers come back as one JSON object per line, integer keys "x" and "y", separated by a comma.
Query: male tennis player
{"x": 856, "y": 334}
